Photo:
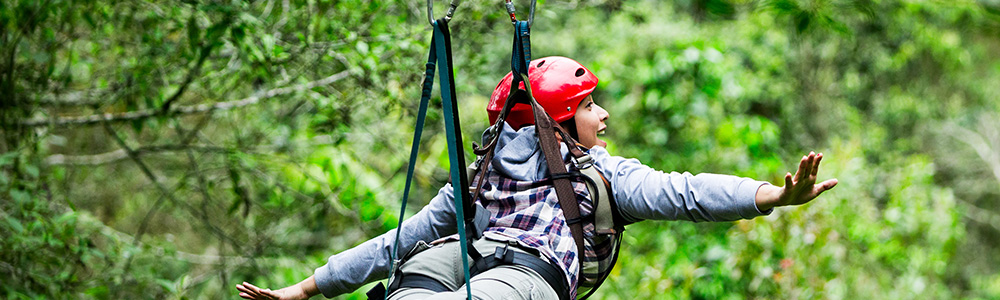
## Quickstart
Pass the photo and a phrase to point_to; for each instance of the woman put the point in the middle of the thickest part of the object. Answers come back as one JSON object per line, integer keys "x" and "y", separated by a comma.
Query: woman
{"x": 525, "y": 216}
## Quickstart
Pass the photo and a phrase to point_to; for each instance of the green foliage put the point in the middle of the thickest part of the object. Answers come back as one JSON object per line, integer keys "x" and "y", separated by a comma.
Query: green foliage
{"x": 172, "y": 149}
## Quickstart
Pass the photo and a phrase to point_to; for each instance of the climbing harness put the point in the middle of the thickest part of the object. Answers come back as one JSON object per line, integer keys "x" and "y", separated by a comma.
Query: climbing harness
{"x": 474, "y": 217}
{"x": 608, "y": 223}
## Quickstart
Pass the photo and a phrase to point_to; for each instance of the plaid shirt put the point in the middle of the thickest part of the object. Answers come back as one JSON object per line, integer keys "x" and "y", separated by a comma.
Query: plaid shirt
{"x": 530, "y": 213}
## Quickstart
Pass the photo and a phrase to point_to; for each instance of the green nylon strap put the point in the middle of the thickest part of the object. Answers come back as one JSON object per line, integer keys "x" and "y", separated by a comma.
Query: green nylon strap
{"x": 440, "y": 56}
{"x": 520, "y": 56}
{"x": 425, "y": 97}
{"x": 456, "y": 153}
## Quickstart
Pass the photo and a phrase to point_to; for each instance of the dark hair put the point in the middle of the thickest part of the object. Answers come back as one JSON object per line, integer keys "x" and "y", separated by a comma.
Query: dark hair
{"x": 570, "y": 126}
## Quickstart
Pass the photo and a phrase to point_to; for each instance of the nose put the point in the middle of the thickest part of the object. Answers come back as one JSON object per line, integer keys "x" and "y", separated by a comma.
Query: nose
{"x": 601, "y": 113}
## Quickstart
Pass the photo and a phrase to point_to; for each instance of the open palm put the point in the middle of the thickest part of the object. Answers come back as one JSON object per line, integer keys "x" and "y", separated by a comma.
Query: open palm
{"x": 249, "y": 291}
{"x": 802, "y": 188}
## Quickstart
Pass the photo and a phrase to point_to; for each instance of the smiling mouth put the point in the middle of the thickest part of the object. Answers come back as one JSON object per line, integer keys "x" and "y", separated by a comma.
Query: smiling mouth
{"x": 601, "y": 132}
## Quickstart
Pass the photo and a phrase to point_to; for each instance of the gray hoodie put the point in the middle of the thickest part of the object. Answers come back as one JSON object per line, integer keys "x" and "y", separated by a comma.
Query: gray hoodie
{"x": 640, "y": 192}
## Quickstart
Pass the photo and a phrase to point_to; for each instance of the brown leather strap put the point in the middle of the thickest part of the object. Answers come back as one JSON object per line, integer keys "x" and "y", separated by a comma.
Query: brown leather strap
{"x": 571, "y": 143}
{"x": 545, "y": 128}
{"x": 481, "y": 171}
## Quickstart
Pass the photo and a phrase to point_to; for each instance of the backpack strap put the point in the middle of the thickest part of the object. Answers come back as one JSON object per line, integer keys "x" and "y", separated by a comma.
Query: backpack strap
{"x": 604, "y": 221}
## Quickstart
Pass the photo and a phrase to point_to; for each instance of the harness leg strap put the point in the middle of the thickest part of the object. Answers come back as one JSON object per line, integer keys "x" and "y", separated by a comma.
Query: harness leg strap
{"x": 550, "y": 272}
{"x": 422, "y": 282}
{"x": 377, "y": 293}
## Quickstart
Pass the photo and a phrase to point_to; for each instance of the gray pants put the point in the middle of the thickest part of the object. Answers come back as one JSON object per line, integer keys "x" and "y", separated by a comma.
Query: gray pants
{"x": 443, "y": 263}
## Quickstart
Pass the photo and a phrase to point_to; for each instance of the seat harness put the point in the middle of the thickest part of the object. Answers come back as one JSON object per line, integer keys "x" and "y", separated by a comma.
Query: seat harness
{"x": 474, "y": 217}
{"x": 606, "y": 219}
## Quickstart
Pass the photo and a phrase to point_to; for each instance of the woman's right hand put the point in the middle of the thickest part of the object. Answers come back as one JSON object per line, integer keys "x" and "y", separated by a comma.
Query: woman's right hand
{"x": 249, "y": 291}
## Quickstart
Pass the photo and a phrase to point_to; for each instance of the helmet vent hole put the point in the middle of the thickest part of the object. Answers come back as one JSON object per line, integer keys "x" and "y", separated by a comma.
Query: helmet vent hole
{"x": 580, "y": 72}
{"x": 540, "y": 64}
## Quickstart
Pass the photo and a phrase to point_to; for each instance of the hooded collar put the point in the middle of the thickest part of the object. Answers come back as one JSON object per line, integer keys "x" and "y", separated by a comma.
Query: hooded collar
{"x": 519, "y": 155}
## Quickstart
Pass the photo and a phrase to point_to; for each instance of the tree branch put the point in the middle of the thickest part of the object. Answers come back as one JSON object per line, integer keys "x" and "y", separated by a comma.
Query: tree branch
{"x": 980, "y": 144}
{"x": 169, "y": 195}
{"x": 980, "y": 215}
{"x": 75, "y": 98}
{"x": 156, "y": 206}
{"x": 120, "y": 154}
{"x": 182, "y": 110}
{"x": 202, "y": 259}
{"x": 187, "y": 79}
{"x": 145, "y": 223}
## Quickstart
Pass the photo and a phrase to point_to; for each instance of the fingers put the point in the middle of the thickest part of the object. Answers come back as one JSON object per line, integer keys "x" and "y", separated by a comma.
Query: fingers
{"x": 815, "y": 168}
{"x": 801, "y": 172}
{"x": 250, "y": 291}
{"x": 823, "y": 187}
{"x": 788, "y": 180}
{"x": 243, "y": 289}
{"x": 246, "y": 293}
{"x": 252, "y": 288}
{"x": 808, "y": 167}
{"x": 829, "y": 184}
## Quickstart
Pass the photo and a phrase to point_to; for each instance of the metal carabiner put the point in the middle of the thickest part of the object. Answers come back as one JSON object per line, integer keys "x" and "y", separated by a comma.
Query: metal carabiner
{"x": 513, "y": 18}
{"x": 451, "y": 10}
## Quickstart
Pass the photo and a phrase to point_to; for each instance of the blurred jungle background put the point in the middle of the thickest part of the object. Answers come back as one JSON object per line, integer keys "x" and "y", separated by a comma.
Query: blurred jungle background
{"x": 171, "y": 149}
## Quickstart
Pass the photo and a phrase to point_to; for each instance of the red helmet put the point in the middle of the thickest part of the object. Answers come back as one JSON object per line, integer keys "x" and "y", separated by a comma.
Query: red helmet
{"x": 557, "y": 83}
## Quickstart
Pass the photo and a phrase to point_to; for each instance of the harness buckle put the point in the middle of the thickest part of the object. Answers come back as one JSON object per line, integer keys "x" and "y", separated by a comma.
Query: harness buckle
{"x": 504, "y": 255}
{"x": 582, "y": 162}
{"x": 491, "y": 132}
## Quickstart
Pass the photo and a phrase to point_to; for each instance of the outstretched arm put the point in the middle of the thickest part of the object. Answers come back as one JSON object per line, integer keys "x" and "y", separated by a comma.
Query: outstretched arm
{"x": 643, "y": 193}
{"x": 798, "y": 189}
{"x": 369, "y": 261}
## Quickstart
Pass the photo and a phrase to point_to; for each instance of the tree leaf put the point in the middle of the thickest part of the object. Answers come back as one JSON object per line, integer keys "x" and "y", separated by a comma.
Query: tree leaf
{"x": 15, "y": 225}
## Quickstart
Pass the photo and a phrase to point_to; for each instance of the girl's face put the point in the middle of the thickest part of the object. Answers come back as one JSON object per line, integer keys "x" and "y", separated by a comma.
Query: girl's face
{"x": 590, "y": 119}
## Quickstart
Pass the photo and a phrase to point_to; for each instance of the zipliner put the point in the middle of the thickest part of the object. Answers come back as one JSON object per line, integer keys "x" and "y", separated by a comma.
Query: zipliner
{"x": 526, "y": 216}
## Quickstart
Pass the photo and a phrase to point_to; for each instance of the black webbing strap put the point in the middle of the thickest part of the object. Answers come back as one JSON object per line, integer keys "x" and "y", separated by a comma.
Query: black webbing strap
{"x": 550, "y": 272}
{"x": 419, "y": 281}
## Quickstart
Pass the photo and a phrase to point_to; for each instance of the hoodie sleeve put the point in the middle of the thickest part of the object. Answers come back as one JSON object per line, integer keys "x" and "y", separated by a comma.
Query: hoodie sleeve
{"x": 347, "y": 271}
{"x": 643, "y": 193}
